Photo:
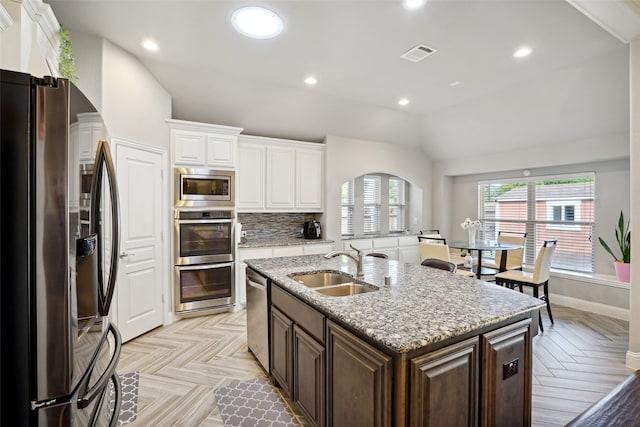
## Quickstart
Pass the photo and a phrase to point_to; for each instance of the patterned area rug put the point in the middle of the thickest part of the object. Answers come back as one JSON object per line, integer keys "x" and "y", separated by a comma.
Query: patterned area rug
{"x": 129, "y": 407}
{"x": 253, "y": 403}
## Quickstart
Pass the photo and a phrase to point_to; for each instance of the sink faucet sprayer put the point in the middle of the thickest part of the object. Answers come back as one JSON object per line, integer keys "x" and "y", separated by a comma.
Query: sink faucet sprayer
{"x": 358, "y": 257}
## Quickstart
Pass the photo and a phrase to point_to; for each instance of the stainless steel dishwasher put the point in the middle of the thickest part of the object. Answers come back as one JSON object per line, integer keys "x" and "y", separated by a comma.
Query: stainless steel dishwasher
{"x": 258, "y": 317}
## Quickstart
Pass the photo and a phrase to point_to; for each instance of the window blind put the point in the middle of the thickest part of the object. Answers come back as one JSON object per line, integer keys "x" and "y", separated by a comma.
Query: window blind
{"x": 396, "y": 204}
{"x": 559, "y": 207}
{"x": 372, "y": 186}
{"x": 347, "y": 208}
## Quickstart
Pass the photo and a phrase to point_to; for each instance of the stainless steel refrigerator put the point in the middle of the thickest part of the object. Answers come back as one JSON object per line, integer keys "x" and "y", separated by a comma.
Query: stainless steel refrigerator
{"x": 59, "y": 350}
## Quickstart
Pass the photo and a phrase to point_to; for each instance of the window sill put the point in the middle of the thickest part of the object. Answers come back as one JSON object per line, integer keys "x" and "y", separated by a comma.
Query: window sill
{"x": 599, "y": 279}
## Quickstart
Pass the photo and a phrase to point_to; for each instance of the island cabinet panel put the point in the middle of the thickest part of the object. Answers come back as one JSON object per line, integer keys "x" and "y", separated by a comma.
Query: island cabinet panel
{"x": 444, "y": 386}
{"x": 359, "y": 381}
{"x": 506, "y": 370}
{"x": 282, "y": 350}
{"x": 302, "y": 314}
{"x": 308, "y": 376}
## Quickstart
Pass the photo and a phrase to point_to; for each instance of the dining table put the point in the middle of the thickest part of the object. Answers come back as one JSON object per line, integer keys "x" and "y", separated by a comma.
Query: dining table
{"x": 486, "y": 245}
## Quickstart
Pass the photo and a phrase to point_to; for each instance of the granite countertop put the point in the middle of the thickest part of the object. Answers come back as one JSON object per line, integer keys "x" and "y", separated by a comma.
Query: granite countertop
{"x": 421, "y": 307}
{"x": 262, "y": 243}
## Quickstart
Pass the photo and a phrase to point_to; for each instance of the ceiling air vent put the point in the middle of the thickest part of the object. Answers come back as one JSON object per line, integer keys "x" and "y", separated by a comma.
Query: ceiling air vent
{"x": 418, "y": 53}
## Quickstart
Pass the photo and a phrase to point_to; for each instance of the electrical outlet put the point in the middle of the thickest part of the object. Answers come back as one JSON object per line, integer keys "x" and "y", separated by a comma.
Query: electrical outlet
{"x": 509, "y": 369}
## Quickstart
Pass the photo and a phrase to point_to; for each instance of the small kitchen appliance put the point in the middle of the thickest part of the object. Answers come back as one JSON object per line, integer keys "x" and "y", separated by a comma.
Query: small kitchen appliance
{"x": 312, "y": 230}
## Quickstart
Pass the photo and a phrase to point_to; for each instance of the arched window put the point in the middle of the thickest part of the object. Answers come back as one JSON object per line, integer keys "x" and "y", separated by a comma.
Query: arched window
{"x": 374, "y": 204}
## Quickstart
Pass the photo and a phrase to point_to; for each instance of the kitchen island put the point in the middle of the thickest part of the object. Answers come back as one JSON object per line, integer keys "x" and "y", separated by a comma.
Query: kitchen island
{"x": 432, "y": 348}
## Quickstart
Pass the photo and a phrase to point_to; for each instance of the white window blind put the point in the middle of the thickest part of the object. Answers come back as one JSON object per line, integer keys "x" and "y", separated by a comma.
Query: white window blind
{"x": 560, "y": 207}
{"x": 347, "y": 208}
{"x": 396, "y": 204}
{"x": 372, "y": 186}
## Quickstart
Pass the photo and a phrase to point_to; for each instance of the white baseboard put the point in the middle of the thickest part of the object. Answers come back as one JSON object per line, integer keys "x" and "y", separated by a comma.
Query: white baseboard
{"x": 590, "y": 306}
{"x": 633, "y": 360}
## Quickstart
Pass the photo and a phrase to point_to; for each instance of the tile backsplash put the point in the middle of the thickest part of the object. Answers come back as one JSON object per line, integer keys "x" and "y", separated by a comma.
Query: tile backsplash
{"x": 274, "y": 226}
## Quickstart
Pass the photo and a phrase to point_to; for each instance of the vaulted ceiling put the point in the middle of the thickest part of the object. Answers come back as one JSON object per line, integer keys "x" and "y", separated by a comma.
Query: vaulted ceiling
{"x": 574, "y": 85}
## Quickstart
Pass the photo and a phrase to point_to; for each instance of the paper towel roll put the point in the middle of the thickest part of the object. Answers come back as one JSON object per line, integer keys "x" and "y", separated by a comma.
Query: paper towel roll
{"x": 238, "y": 232}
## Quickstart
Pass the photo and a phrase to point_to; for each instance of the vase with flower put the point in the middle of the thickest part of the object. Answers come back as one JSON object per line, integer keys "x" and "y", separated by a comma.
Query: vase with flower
{"x": 472, "y": 228}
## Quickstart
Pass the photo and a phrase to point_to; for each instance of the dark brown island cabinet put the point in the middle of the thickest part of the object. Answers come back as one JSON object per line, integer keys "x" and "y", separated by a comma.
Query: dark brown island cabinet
{"x": 337, "y": 377}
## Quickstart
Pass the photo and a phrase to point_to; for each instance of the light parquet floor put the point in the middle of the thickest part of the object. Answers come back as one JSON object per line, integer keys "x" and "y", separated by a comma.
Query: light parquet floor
{"x": 575, "y": 363}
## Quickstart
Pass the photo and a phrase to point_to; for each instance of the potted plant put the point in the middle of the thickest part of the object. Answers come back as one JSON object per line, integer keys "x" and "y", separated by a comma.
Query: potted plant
{"x": 623, "y": 236}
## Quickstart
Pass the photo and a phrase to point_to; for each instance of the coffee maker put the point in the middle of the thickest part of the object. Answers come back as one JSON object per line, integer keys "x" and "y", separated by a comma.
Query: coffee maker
{"x": 312, "y": 230}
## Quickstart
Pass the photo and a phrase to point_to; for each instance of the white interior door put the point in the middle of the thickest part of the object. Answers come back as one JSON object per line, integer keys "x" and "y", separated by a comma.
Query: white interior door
{"x": 140, "y": 279}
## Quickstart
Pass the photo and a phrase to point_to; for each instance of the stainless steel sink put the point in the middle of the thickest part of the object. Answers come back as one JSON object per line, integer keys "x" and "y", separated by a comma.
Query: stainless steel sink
{"x": 347, "y": 289}
{"x": 319, "y": 279}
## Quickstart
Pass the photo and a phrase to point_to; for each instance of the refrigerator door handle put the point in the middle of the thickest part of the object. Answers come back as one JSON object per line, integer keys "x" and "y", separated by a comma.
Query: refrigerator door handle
{"x": 104, "y": 162}
{"x": 101, "y": 384}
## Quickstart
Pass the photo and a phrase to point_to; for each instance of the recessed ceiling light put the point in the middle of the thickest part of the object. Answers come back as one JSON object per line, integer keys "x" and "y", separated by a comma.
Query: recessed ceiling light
{"x": 403, "y": 101}
{"x": 310, "y": 80}
{"x": 522, "y": 52}
{"x": 257, "y": 22}
{"x": 413, "y": 4}
{"x": 150, "y": 45}
{"x": 455, "y": 83}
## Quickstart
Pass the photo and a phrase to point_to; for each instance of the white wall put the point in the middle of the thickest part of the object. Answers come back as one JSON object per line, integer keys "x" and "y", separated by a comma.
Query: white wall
{"x": 87, "y": 51}
{"x": 132, "y": 103}
{"x": 347, "y": 158}
{"x": 633, "y": 355}
{"x": 135, "y": 105}
{"x": 455, "y": 197}
{"x": 612, "y": 194}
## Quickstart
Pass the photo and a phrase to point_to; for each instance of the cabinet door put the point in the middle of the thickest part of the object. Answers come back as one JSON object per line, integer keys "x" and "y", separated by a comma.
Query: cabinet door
{"x": 89, "y": 134}
{"x": 444, "y": 386}
{"x": 358, "y": 382}
{"x": 309, "y": 179}
{"x": 506, "y": 370}
{"x": 280, "y": 178}
{"x": 308, "y": 376}
{"x": 279, "y": 251}
{"x": 221, "y": 151}
{"x": 189, "y": 148}
{"x": 410, "y": 254}
{"x": 392, "y": 253}
{"x": 317, "y": 249}
{"x": 251, "y": 177}
{"x": 282, "y": 350}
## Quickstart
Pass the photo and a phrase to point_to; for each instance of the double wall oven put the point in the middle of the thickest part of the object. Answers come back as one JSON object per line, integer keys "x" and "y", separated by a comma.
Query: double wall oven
{"x": 204, "y": 249}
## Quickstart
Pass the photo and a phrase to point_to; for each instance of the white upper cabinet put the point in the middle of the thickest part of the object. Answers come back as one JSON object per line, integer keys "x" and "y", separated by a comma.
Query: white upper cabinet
{"x": 276, "y": 175}
{"x": 251, "y": 176}
{"x": 203, "y": 145}
{"x": 309, "y": 179}
{"x": 222, "y": 151}
{"x": 281, "y": 175}
{"x": 90, "y": 130}
{"x": 189, "y": 148}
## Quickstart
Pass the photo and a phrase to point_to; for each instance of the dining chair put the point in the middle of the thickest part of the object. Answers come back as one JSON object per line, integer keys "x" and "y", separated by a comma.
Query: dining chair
{"x": 441, "y": 264}
{"x": 433, "y": 233}
{"x": 435, "y": 236}
{"x": 539, "y": 277}
{"x": 515, "y": 257}
{"x": 438, "y": 249}
{"x": 377, "y": 255}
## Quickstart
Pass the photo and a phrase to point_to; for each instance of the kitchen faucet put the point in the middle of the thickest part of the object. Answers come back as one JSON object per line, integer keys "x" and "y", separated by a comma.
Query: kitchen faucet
{"x": 358, "y": 257}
